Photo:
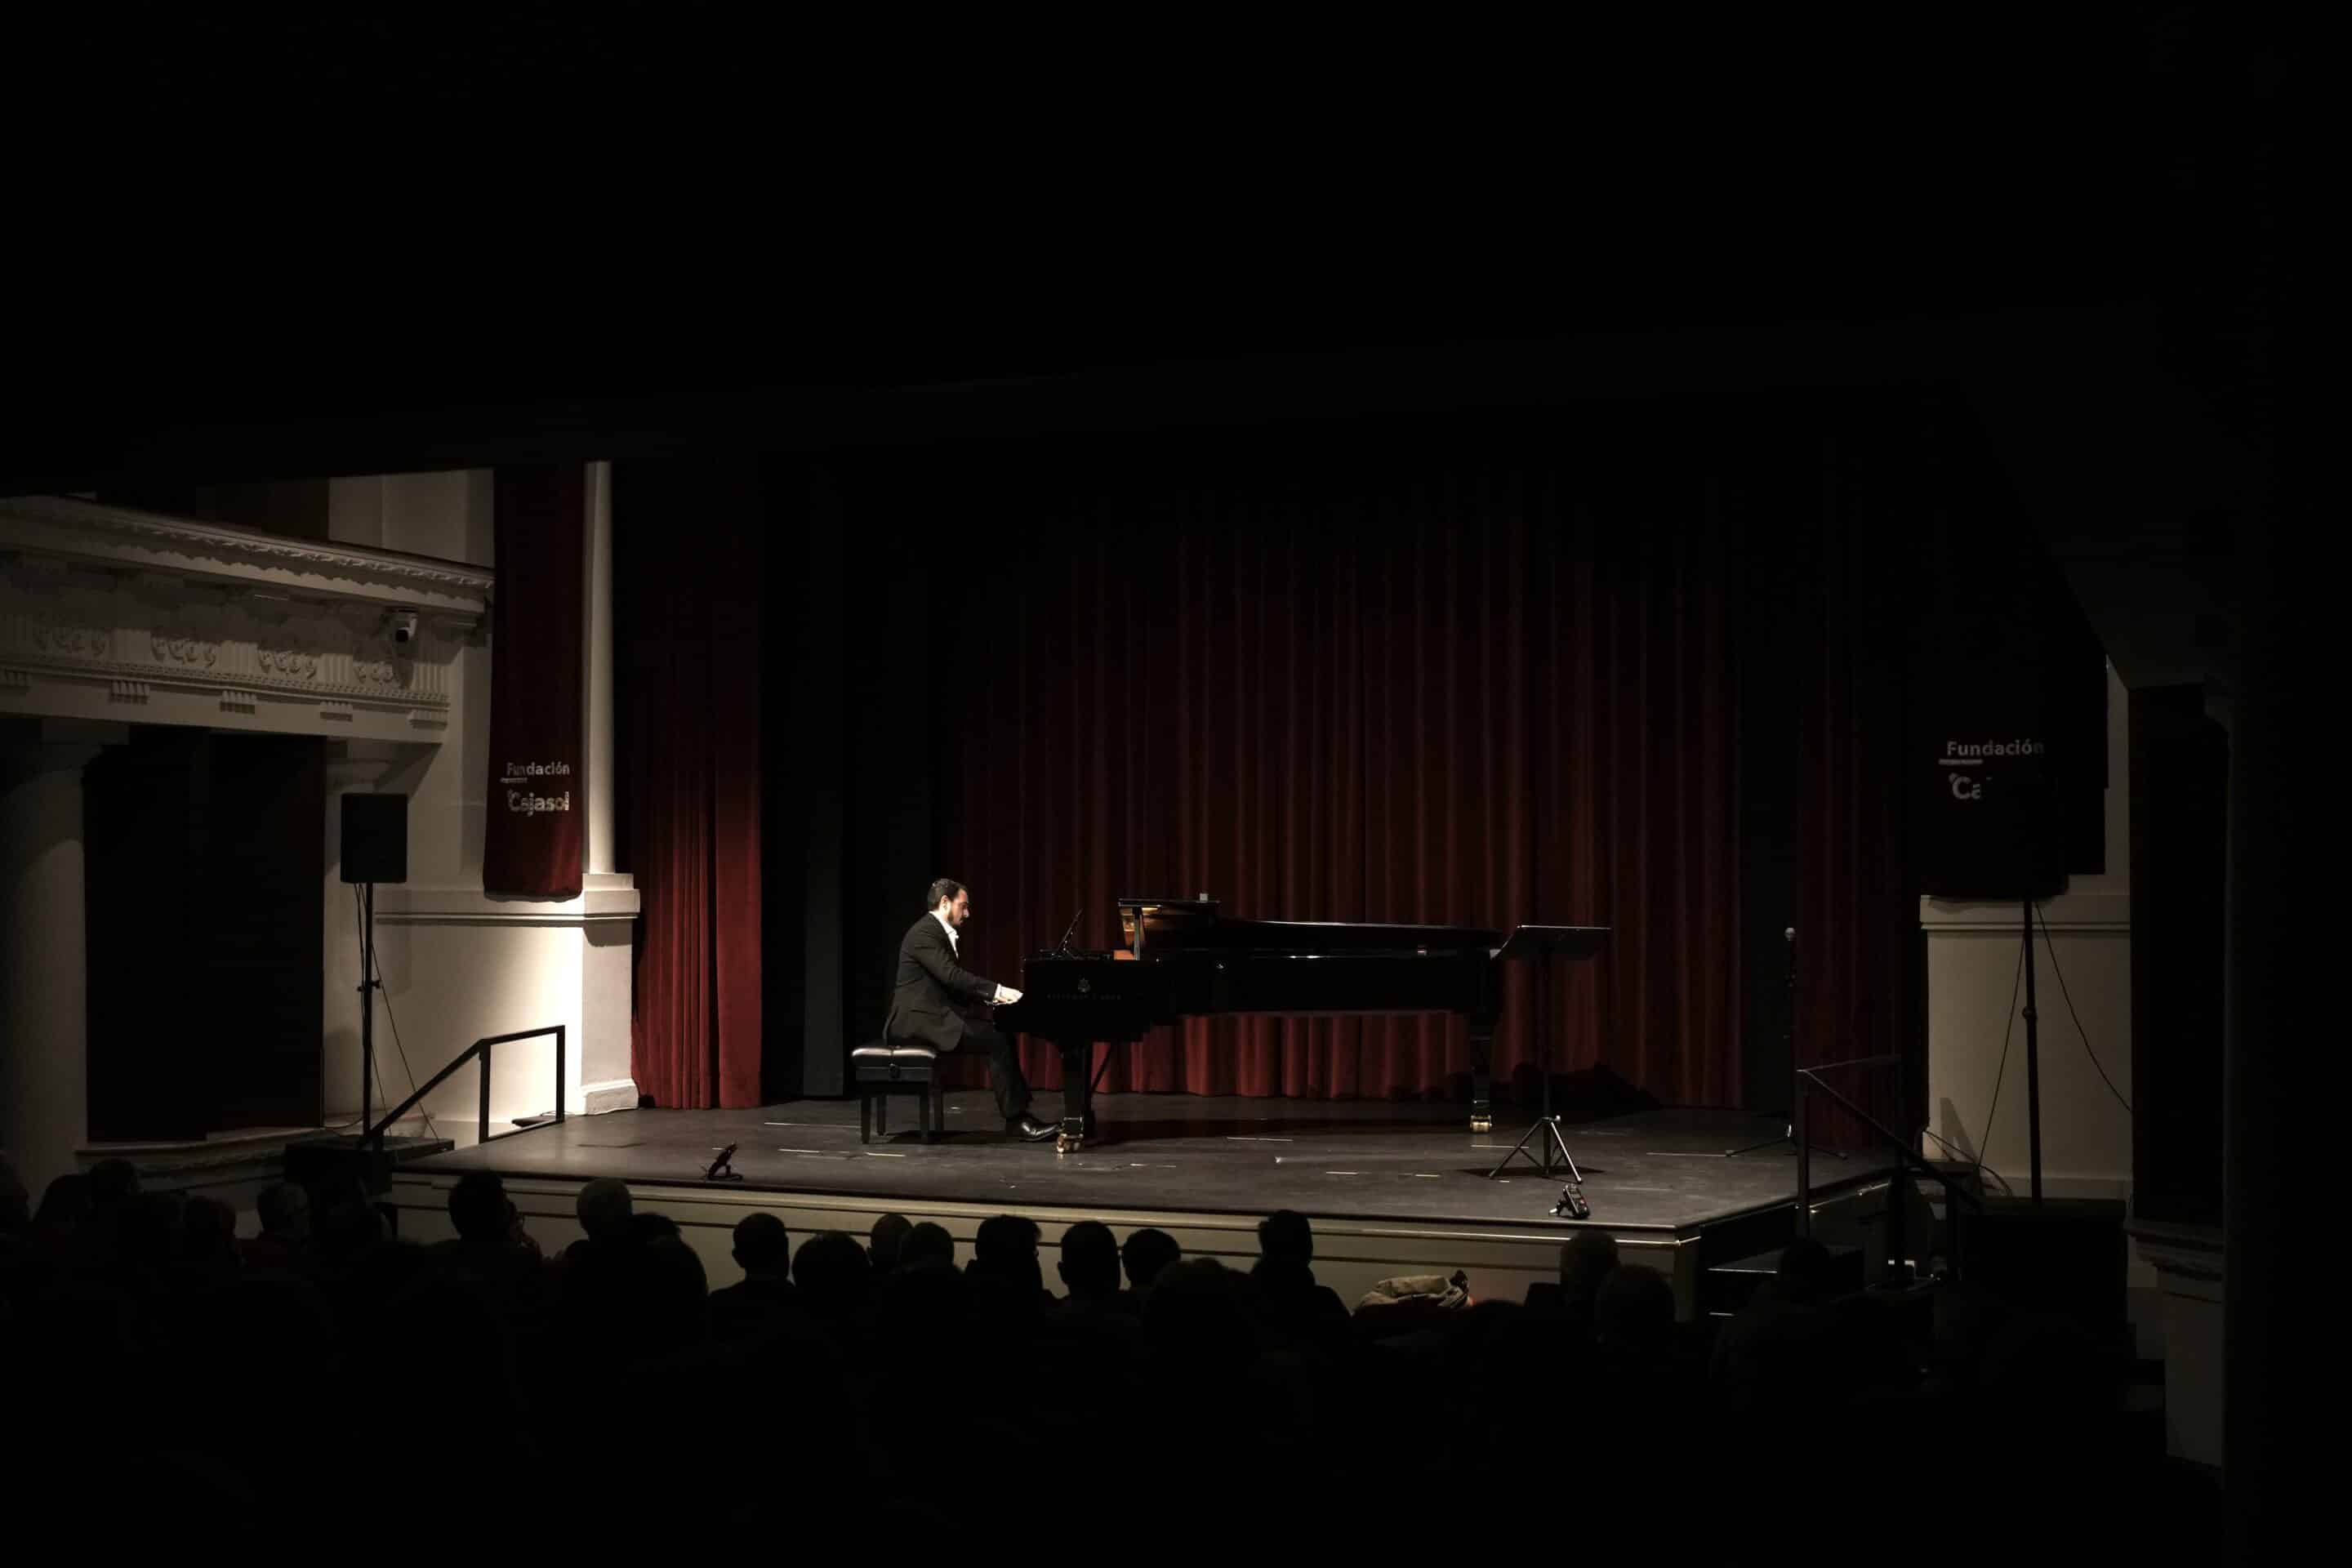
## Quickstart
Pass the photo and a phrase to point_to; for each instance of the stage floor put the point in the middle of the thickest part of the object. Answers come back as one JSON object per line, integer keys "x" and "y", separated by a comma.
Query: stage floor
{"x": 1367, "y": 1161}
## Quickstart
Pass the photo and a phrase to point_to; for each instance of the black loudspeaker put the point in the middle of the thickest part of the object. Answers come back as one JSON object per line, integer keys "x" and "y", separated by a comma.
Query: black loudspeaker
{"x": 375, "y": 838}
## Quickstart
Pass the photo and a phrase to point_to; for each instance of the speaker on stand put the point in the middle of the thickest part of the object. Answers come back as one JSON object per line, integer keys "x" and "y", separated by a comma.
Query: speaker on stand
{"x": 374, "y": 849}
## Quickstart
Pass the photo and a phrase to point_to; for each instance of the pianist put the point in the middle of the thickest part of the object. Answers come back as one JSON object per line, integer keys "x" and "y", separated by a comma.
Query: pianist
{"x": 927, "y": 1005}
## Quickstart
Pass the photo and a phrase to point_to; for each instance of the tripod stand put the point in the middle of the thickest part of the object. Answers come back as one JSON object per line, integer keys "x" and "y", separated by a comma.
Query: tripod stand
{"x": 1787, "y": 1138}
{"x": 1546, "y": 1133}
{"x": 367, "y": 988}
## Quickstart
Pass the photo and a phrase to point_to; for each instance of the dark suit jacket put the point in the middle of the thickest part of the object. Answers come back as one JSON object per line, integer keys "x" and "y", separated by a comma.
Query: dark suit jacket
{"x": 929, "y": 988}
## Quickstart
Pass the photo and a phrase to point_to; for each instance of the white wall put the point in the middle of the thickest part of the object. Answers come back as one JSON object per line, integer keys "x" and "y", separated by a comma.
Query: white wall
{"x": 457, "y": 965}
{"x": 1972, "y": 966}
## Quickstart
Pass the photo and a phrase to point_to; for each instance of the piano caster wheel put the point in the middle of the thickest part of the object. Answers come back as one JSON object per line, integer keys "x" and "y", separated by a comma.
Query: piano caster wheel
{"x": 1478, "y": 1124}
{"x": 1067, "y": 1143}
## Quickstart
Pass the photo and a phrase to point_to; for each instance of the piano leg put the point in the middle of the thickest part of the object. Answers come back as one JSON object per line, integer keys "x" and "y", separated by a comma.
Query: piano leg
{"x": 1482, "y": 1061}
{"x": 1078, "y": 1095}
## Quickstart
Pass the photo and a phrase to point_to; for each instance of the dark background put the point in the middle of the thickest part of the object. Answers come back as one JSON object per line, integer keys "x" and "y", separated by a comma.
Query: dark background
{"x": 252, "y": 251}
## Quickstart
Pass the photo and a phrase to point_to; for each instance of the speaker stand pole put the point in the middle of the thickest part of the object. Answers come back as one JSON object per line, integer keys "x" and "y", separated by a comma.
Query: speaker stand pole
{"x": 367, "y": 1007}
{"x": 2032, "y": 1061}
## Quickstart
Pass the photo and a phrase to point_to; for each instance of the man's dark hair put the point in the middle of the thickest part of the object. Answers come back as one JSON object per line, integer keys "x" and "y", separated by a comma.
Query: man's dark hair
{"x": 1585, "y": 1261}
{"x": 1090, "y": 1260}
{"x": 1148, "y": 1252}
{"x": 832, "y": 1272}
{"x": 942, "y": 887}
{"x": 883, "y": 1242}
{"x": 1003, "y": 1239}
{"x": 113, "y": 1182}
{"x": 1805, "y": 1273}
{"x": 761, "y": 1242}
{"x": 928, "y": 1245}
{"x": 1004, "y": 1252}
{"x": 285, "y": 1208}
{"x": 478, "y": 1206}
{"x": 65, "y": 1203}
{"x": 1284, "y": 1236}
{"x": 1634, "y": 1311}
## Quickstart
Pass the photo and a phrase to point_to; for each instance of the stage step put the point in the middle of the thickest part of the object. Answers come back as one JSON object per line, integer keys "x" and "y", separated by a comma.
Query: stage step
{"x": 1726, "y": 1287}
{"x": 333, "y": 1157}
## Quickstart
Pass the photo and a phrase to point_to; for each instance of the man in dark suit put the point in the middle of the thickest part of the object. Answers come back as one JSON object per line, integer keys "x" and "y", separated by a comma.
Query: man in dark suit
{"x": 932, "y": 989}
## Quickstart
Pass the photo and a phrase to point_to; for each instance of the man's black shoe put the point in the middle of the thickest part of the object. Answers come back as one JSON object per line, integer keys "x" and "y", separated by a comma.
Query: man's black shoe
{"x": 1029, "y": 1130}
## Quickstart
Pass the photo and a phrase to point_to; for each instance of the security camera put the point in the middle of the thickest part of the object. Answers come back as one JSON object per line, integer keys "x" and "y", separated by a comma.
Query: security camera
{"x": 404, "y": 626}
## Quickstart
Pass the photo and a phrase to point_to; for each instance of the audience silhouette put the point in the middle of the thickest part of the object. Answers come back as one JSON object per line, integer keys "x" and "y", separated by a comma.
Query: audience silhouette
{"x": 839, "y": 1365}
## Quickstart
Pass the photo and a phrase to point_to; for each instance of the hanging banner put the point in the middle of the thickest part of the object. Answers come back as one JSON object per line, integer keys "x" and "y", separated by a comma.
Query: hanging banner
{"x": 533, "y": 840}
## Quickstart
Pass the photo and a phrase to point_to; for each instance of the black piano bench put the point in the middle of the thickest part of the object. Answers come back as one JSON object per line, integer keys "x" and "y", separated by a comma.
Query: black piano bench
{"x": 884, "y": 1070}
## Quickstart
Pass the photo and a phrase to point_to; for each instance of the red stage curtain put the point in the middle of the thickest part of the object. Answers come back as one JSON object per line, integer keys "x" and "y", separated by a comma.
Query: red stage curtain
{"x": 1355, "y": 685}
{"x": 686, "y": 625}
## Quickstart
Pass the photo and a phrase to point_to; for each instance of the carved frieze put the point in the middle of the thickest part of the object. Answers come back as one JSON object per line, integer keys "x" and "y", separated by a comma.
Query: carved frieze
{"x": 125, "y": 607}
{"x": 197, "y": 651}
{"x": 69, "y": 642}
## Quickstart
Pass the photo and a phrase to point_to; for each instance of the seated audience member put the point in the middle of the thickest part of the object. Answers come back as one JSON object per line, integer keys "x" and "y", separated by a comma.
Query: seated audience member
{"x": 1285, "y": 1276}
{"x": 1196, "y": 1316}
{"x": 1633, "y": 1316}
{"x": 208, "y": 1241}
{"x": 1005, "y": 1258}
{"x": 65, "y": 1203}
{"x": 765, "y": 1298}
{"x": 1777, "y": 1344}
{"x": 884, "y": 1242}
{"x": 1148, "y": 1252}
{"x": 113, "y": 1183}
{"x": 113, "y": 1188}
{"x": 1586, "y": 1259}
{"x": 605, "y": 1211}
{"x": 833, "y": 1279}
{"x": 285, "y": 1238}
{"x": 1089, "y": 1271}
{"x": 493, "y": 1246}
{"x": 926, "y": 1246}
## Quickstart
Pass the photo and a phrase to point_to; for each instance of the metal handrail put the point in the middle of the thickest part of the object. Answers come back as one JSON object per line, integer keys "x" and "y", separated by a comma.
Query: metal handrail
{"x": 481, "y": 1049}
{"x": 1803, "y": 1118}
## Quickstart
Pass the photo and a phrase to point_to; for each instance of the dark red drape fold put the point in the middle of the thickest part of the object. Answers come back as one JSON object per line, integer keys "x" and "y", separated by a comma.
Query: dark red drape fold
{"x": 1479, "y": 690}
{"x": 535, "y": 830}
{"x": 688, "y": 626}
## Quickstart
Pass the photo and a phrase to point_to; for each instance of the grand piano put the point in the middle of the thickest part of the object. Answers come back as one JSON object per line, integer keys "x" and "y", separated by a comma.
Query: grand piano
{"x": 1185, "y": 958}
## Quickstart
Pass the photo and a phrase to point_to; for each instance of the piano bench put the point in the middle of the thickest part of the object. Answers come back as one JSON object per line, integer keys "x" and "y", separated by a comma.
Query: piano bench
{"x": 883, "y": 1070}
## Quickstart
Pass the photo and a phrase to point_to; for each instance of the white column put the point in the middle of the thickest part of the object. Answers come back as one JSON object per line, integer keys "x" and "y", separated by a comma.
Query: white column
{"x": 44, "y": 960}
{"x": 352, "y": 766}
{"x": 605, "y": 973}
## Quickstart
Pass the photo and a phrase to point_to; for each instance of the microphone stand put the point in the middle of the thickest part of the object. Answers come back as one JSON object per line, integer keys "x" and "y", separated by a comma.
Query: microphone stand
{"x": 1787, "y": 1138}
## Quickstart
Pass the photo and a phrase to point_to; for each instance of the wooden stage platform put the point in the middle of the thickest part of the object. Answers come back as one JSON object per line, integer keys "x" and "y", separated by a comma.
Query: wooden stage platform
{"x": 1391, "y": 1188}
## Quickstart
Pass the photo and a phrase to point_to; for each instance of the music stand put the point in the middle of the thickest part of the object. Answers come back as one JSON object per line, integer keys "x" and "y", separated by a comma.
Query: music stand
{"x": 1549, "y": 942}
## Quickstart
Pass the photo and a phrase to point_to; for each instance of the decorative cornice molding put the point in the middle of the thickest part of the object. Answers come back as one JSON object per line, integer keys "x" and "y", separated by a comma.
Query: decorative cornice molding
{"x": 80, "y": 530}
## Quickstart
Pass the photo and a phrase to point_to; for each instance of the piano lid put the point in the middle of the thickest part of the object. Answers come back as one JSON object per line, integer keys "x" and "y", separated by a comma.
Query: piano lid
{"x": 1157, "y": 927}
